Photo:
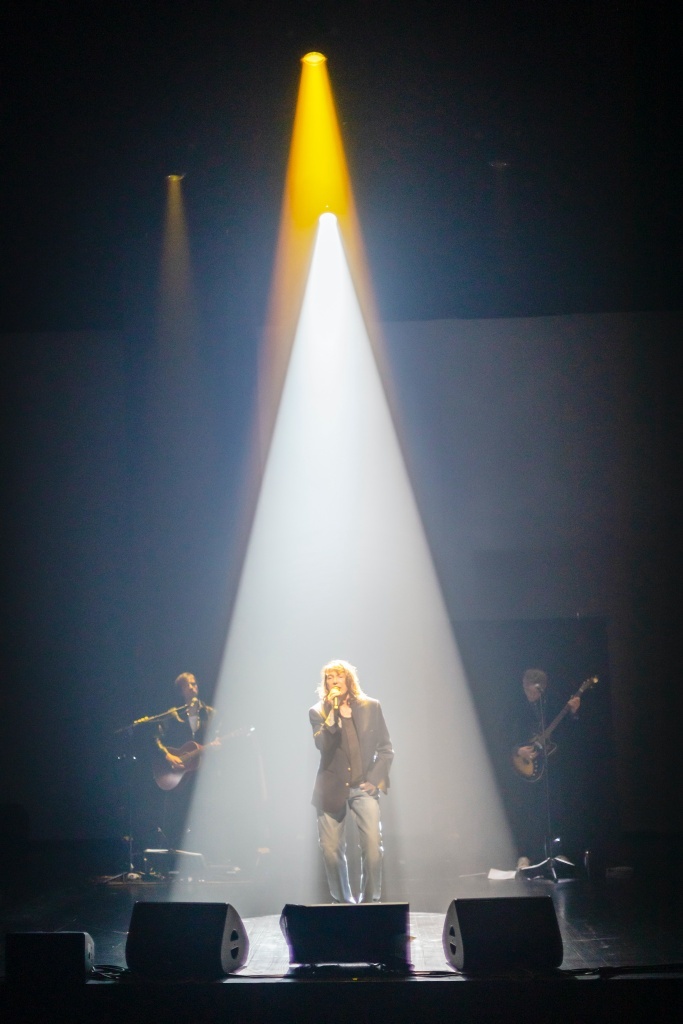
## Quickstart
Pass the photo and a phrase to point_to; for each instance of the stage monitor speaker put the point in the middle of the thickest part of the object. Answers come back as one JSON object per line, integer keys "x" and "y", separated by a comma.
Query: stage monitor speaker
{"x": 49, "y": 958}
{"x": 185, "y": 940}
{"x": 505, "y": 932}
{"x": 347, "y": 934}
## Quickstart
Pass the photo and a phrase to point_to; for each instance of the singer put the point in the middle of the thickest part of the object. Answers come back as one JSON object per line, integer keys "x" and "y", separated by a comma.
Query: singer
{"x": 189, "y": 723}
{"x": 355, "y": 756}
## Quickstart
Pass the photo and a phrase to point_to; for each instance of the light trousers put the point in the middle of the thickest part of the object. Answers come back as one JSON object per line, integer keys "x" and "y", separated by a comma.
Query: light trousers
{"x": 332, "y": 838}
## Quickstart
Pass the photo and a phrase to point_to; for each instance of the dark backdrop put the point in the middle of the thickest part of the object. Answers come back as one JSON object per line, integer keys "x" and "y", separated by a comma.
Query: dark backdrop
{"x": 582, "y": 778}
{"x": 544, "y": 454}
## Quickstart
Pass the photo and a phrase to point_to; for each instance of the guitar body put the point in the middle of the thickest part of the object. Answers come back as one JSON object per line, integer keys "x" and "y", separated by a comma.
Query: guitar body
{"x": 167, "y": 776}
{"x": 531, "y": 768}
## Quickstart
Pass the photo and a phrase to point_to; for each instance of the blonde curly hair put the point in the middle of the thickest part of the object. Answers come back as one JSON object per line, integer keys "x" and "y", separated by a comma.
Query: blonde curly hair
{"x": 352, "y": 683}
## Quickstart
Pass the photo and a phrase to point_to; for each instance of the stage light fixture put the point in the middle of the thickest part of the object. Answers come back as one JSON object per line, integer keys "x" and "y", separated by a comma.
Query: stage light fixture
{"x": 314, "y": 58}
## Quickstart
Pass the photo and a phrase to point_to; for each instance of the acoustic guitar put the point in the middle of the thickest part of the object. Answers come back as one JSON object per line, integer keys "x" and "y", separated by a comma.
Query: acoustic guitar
{"x": 167, "y": 776}
{"x": 531, "y": 767}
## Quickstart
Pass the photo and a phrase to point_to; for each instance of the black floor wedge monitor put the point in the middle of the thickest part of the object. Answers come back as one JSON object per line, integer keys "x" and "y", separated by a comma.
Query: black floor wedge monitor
{"x": 507, "y": 932}
{"x": 186, "y": 940}
{"x": 347, "y": 934}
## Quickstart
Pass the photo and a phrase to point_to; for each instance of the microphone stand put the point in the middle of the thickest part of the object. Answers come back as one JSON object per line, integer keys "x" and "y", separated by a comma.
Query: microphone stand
{"x": 146, "y": 719}
{"x": 548, "y": 867}
{"x": 129, "y": 758}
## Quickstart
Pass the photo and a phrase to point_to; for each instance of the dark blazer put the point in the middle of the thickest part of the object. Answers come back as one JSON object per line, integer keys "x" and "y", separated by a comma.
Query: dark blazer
{"x": 175, "y": 730}
{"x": 332, "y": 782}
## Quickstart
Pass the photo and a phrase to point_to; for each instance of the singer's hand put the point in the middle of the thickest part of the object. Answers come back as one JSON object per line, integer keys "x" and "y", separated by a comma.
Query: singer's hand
{"x": 345, "y": 710}
{"x": 368, "y": 787}
{"x": 333, "y": 692}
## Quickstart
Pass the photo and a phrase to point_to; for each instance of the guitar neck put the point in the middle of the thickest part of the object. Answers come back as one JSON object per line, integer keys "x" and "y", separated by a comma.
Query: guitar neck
{"x": 201, "y": 748}
{"x": 554, "y": 724}
{"x": 558, "y": 718}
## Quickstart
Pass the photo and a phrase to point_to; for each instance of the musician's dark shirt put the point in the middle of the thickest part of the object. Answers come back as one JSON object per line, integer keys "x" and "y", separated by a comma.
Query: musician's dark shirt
{"x": 175, "y": 731}
{"x": 527, "y": 721}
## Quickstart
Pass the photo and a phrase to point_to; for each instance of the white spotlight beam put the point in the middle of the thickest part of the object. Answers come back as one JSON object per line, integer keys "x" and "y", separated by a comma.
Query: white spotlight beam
{"x": 338, "y": 566}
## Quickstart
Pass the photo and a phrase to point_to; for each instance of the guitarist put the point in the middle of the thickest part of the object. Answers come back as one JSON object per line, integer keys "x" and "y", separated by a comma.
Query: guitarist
{"x": 529, "y": 814}
{"x": 535, "y": 684}
{"x": 174, "y": 731}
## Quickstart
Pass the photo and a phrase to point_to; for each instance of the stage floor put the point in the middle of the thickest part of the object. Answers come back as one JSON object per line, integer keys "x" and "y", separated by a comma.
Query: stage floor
{"x": 604, "y": 925}
{"x": 623, "y": 951}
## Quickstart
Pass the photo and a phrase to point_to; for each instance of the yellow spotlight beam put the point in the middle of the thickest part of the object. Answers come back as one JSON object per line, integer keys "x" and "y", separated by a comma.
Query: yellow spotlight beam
{"x": 174, "y": 383}
{"x": 176, "y": 322}
{"x": 317, "y": 181}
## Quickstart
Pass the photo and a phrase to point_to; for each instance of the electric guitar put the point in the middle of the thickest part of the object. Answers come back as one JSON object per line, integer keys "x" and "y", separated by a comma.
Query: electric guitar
{"x": 167, "y": 776}
{"x": 531, "y": 767}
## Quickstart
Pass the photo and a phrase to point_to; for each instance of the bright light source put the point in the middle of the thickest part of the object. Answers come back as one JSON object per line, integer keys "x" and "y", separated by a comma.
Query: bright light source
{"x": 317, "y": 180}
{"x": 313, "y": 58}
{"x": 174, "y": 177}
